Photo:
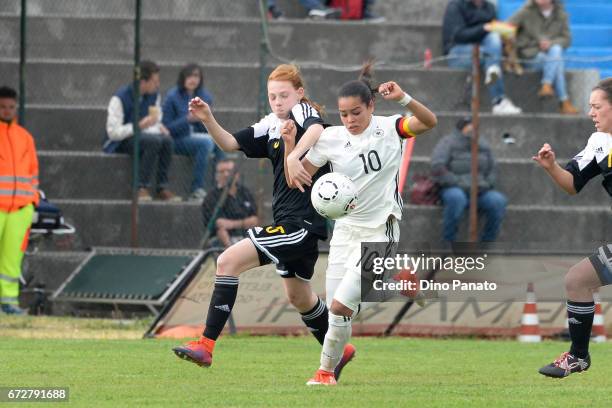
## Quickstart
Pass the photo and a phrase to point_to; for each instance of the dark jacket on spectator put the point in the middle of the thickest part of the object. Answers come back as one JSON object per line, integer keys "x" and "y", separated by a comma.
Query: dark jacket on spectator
{"x": 451, "y": 163}
{"x": 464, "y": 23}
{"x": 176, "y": 109}
{"x": 237, "y": 207}
{"x": 126, "y": 95}
{"x": 533, "y": 27}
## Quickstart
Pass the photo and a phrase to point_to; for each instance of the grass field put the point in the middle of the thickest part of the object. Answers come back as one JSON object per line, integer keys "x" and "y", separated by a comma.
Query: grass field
{"x": 115, "y": 368}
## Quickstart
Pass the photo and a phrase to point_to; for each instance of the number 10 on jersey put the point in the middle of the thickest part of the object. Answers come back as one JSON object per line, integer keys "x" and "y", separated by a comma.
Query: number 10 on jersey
{"x": 373, "y": 161}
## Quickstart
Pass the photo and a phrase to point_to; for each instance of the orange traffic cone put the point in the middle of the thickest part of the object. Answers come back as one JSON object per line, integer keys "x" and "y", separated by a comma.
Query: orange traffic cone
{"x": 598, "y": 332}
{"x": 530, "y": 325}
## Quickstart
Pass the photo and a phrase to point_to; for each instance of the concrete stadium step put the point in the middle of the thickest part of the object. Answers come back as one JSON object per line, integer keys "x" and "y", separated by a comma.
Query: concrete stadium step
{"x": 89, "y": 176}
{"x": 79, "y": 175}
{"x": 406, "y": 11}
{"x": 89, "y": 84}
{"x": 177, "y": 9}
{"x": 83, "y": 128}
{"x": 107, "y": 223}
{"x": 566, "y": 134}
{"x": 395, "y": 10}
{"x": 103, "y": 39}
{"x": 562, "y": 229}
{"x": 163, "y": 225}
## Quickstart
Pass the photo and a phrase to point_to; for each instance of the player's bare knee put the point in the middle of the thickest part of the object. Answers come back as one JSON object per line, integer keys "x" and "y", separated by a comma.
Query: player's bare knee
{"x": 339, "y": 309}
{"x": 226, "y": 267}
{"x": 576, "y": 281}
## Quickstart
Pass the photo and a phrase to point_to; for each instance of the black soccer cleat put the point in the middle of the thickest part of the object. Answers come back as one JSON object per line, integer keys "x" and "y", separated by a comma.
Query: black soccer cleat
{"x": 565, "y": 365}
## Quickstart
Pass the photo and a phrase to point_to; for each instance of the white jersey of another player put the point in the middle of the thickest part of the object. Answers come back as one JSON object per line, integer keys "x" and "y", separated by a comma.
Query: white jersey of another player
{"x": 372, "y": 161}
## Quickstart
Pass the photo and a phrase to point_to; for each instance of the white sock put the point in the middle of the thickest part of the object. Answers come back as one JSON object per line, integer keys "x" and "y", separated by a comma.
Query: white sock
{"x": 338, "y": 334}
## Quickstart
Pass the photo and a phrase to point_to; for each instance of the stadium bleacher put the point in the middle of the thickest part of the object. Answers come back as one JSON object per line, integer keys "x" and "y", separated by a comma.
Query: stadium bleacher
{"x": 591, "y": 27}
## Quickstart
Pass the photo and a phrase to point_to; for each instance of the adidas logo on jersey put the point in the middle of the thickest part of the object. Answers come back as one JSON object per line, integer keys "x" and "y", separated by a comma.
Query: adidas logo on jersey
{"x": 223, "y": 308}
{"x": 599, "y": 150}
{"x": 348, "y": 144}
{"x": 258, "y": 230}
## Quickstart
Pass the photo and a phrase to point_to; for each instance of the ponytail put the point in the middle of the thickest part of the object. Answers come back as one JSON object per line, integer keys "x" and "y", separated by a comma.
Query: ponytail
{"x": 362, "y": 87}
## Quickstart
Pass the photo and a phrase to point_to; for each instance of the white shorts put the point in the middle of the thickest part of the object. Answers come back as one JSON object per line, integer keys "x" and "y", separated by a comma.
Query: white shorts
{"x": 343, "y": 275}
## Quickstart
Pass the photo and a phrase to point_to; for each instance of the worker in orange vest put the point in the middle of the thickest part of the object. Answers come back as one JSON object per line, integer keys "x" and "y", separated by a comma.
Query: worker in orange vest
{"x": 18, "y": 196}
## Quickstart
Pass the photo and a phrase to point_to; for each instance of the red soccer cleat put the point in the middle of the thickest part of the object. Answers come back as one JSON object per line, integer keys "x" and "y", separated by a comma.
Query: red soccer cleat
{"x": 347, "y": 356}
{"x": 322, "y": 377}
{"x": 196, "y": 352}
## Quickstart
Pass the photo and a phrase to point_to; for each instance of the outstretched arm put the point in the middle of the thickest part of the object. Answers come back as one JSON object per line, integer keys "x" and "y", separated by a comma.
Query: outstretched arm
{"x": 422, "y": 120}
{"x": 546, "y": 158}
{"x": 222, "y": 137}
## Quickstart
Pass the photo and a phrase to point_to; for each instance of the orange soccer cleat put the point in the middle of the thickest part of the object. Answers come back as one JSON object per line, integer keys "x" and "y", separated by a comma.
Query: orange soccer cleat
{"x": 198, "y": 352}
{"x": 322, "y": 377}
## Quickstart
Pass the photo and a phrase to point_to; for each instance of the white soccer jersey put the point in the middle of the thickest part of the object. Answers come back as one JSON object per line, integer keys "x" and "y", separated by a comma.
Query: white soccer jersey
{"x": 372, "y": 161}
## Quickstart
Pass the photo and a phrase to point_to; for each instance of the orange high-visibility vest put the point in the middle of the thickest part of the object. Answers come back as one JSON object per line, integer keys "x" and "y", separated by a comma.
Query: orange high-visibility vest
{"x": 18, "y": 168}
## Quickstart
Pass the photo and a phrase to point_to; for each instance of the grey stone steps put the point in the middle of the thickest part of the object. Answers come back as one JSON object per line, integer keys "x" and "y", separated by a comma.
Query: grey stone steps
{"x": 103, "y": 39}
{"x": 85, "y": 83}
{"x": 82, "y": 129}
{"x": 177, "y": 9}
{"x": 393, "y": 10}
{"x": 220, "y": 40}
{"x": 98, "y": 176}
{"x": 178, "y": 225}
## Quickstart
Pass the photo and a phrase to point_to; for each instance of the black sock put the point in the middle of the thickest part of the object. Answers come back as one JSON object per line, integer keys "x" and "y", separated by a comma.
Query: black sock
{"x": 316, "y": 319}
{"x": 580, "y": 320}
{"x": 221, "y": 304}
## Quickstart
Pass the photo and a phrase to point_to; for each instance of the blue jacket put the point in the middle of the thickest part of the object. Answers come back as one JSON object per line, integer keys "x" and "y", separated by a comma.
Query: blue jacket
{"x": 176, "y": 109}
{"x": 464, "y": 23}
{"x": 125, "y": 94}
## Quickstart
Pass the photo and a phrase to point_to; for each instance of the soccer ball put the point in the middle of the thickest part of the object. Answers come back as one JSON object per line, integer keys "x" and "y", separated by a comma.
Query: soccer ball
{"x": 334, "y": 195}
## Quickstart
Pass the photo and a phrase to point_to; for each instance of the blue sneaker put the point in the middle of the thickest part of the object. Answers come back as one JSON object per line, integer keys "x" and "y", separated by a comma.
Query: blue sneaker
{"x": 12, "y": 309}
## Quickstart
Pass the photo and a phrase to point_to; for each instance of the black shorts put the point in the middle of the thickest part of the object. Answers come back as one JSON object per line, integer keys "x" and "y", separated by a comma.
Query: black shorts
{"x": 602, "y": 262}
{"x": 292, "y": 248}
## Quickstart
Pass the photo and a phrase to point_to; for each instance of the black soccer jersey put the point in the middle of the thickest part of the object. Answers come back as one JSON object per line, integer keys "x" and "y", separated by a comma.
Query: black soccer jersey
{"x": 263, "y": 140}
{"x": 595, "y": 159}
